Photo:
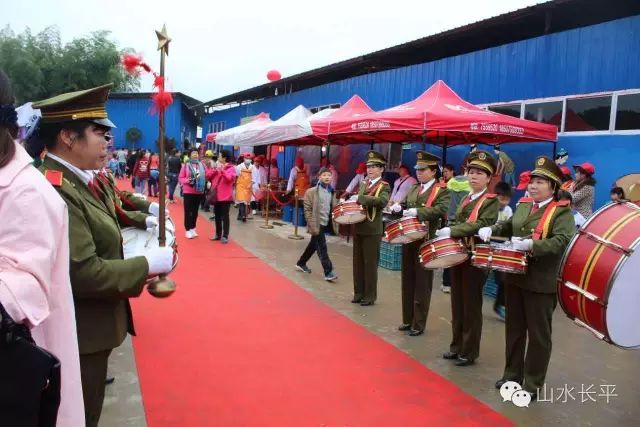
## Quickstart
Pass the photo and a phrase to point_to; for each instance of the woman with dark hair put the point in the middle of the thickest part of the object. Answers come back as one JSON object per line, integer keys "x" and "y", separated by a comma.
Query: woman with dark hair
{"x": 101, "y": 279}
{"x": 584, "y": 189}
{"x": 530, "y": 298}
{"x": 193, "y": 177}
{"x": 35, "y": 288}
{"x": 222, "y": 181}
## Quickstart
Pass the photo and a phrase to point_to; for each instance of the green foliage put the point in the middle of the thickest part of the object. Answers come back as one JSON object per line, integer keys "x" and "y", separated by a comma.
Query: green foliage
{"x": 40, "y": 66}
{"x": 133, "y": 135}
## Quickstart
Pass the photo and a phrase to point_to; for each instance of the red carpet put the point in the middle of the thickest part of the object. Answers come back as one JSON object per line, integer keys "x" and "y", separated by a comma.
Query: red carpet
{"x": 230, "y": 350}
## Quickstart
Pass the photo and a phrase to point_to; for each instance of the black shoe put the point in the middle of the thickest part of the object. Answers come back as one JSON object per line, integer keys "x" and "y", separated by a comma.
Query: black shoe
{"x": 449, "y": 355}
{"x": 415, "y": 333}
{"x": 109, "y": 380}
{"x": 212, "y": 218}
{"x": 500, "y": 383}
{"x": 366, "y": 303}
{"x": 244, "y": 219}
{"x": 534, "y": 396}
{"x": 404, "y": 327}
{"x": 463, "y": 361}
{"x": 215, "y": 238}
{"x": 356, "y": 300}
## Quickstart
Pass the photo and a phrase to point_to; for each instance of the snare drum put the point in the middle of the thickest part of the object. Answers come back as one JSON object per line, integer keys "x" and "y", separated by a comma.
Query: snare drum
{"x": 599, "y": 275}
{"x": 136, "y": 242}
{"x": 405, "y": 230}
{"x": 499, "y": 257}
{"x": 442, "y": 252}
{"x": 349, "y": 212}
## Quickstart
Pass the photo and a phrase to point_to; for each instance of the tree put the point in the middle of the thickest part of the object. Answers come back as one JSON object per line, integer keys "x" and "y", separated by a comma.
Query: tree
{"x": 41, "y": 66}
{"x": 133, "y": 136}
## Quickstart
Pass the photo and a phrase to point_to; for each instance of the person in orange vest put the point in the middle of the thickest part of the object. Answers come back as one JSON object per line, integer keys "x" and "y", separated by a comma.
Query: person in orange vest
{"x": 298, "y": 178}
{"x": 246, "y": 183}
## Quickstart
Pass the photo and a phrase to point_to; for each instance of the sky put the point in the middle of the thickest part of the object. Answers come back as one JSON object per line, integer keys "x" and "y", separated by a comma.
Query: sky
{"x": 221, "y": 47}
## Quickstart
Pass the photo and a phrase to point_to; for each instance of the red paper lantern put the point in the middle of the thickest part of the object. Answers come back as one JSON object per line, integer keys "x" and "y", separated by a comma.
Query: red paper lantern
{"x": 274, "y": 75}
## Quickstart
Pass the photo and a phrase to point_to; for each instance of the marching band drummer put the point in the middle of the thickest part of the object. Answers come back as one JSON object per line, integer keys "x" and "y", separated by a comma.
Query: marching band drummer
{"x": 74, "y": 129}
{"x": 530, "y": 299}
{"x": 427, "y": 200}
{"x": 478, "y": 209}
{"x": 373, "y": 196}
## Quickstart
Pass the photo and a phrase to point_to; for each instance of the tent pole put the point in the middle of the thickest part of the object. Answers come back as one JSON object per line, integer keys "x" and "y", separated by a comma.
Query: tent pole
{"x": 444, "y": 151}
{"x": 555, "y": 146}
{"x": 266, "y": 224}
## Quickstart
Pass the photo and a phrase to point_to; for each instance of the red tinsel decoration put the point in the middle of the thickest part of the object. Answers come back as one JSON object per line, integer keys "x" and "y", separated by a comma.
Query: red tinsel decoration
{"x": 131, "y": 62}
{"x": 158, "y": 81}
{"x": 161, "y": 101}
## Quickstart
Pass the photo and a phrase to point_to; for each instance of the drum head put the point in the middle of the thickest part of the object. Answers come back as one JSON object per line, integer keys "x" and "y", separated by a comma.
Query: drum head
{"x": 136, "y": 242}
{"x": 408, "y": 238}
{"x": 623, "y": 310}
{"x": 351, "y": 218}
{"x": 447, "y": 261}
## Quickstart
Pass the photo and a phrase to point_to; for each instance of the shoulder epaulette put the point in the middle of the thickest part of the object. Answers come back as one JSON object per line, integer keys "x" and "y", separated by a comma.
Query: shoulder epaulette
{"x": 54, "y": 177}
{"x": 563, "y": 203}
{"x": 525, "y": 200}
{"x": 491, "y": 195}
{"x": 441, "y": 184}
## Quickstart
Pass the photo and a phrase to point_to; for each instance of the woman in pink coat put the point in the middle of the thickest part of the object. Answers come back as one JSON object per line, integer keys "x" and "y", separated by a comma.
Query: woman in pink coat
{"x": 35, "y": 288}
{"x": 193, "y": 177}
{"x": 222, "y": 181}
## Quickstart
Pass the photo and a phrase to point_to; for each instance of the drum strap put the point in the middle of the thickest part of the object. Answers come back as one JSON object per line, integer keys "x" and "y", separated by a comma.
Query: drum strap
{"x": 542, "y": 229}
{"x": 375, "y": 192}
{"x": 432, "y": 196}
{"x": 476, "y": 209}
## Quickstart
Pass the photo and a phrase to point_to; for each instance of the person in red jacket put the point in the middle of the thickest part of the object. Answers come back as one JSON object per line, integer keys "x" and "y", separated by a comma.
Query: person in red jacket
{"x": 141, "y": 172}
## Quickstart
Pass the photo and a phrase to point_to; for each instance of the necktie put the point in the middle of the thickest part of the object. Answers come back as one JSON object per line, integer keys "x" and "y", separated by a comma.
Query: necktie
{"x": 534, "y": 208}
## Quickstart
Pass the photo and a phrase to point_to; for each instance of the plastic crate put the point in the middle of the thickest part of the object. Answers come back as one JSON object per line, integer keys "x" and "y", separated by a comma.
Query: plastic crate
{"x": 390, "y": 256}
{"x": 490, "y": 286}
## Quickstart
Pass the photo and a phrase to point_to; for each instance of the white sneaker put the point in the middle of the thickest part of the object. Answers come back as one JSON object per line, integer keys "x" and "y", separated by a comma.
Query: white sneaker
{"x": 253, "y": 212}
{"x": 194, "y": 232}
{"x": 188, "y": 234}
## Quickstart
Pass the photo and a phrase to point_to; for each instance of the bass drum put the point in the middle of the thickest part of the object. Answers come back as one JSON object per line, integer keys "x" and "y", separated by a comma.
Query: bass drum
{"x": 599, "y": 277}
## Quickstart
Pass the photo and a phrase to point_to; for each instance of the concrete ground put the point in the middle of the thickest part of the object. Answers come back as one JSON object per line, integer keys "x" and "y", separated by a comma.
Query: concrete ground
{"x": 584, "y": 372}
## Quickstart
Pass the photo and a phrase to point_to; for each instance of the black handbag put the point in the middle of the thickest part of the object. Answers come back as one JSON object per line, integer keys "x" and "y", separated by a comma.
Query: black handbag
{"x": 29, "y": 378}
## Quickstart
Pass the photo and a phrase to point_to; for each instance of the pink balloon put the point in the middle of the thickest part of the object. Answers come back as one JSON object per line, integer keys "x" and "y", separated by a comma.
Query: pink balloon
{"x": 274, "y": 75}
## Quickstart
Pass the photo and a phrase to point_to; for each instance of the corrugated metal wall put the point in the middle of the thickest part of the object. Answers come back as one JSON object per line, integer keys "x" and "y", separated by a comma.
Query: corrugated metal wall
{"x": 602, "y": 57}
{"x": 128, "y": 113}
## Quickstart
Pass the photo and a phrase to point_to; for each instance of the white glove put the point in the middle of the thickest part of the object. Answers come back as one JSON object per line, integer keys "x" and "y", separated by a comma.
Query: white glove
{"x": 151, "y": 222}
{"x": 396, "y": 207}
{"x": 410, "y": 212}
{"x": 169, "y": 226}
{"x": 353, "y": 198}
{"x": 160, "y": 260}
{"x": 485, "y": 234}
{"x": 444, "y": 232}
{"x": 522, "y": 244}
{"x": 154, "y": 209}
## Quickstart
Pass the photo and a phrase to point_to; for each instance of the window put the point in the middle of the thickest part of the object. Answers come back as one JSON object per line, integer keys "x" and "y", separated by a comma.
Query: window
{"x": 323, "y": 107}
{"x": 512, "y": 110}
{"x": 628, "y": 112}
{"x": 588, "y": 114}
{"x": 216, "y": 127}
{"x": 544, "y": 112}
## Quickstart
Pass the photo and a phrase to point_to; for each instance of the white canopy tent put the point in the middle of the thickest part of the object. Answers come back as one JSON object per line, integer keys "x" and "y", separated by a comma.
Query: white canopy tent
{"x": 244, "y": 135}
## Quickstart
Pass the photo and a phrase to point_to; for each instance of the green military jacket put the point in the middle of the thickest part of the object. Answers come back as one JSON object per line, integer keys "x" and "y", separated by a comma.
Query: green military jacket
{"x": 101, "y": 280}
{"x": 131, "y": 211}
{"x": 373, "y": 206}
{"x": 487, "y": 216}
{"x": 546, "y": 254}
{"x": 438, "y": 209}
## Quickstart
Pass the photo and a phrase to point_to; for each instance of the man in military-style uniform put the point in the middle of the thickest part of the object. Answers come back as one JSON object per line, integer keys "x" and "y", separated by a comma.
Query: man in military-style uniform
{"x": 74, "y": 129}
{"x": 373, "y": 196}
{"x": 428, "y": 200}
{"x": 543, "y": 227}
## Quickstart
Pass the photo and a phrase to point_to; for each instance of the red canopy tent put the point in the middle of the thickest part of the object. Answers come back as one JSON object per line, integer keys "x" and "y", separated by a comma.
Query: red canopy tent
{"x": 352, "y": 109}
{"x": 438, "y": 116}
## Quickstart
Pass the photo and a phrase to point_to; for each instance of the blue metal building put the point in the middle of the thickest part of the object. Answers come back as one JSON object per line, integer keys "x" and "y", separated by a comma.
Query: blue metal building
{"x": 573, "y": 63}
{"x": 134, "y": 110}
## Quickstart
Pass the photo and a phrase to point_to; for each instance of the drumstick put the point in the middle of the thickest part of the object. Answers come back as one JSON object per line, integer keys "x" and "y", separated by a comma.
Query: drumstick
{"x": 503, "y": 239}
{"x": 150, "y": 236}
